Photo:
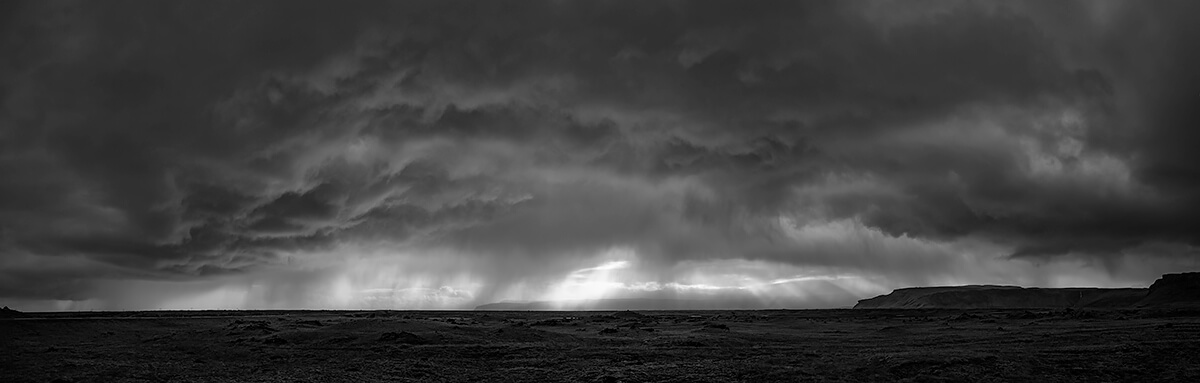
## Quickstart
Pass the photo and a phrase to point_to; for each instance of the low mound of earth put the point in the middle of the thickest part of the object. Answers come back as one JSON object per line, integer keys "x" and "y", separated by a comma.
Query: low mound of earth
{"x": 1170, "y": 290}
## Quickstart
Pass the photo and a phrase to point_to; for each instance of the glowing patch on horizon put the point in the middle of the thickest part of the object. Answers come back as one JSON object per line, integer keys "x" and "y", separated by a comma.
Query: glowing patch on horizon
{"x": 342, "y": 293}
{"x": 593, "y": 282}
{"x": 701, "y": 287}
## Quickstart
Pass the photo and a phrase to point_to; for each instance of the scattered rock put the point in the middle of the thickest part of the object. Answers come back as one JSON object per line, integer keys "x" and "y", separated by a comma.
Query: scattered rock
{"x": 627, "y": 315}
{"x": 1025, "y": 315}
{"x": 717, "y": 326}
{"x": 251, "y": 325}
{"x": 629, "y": 325}
{"x": 404, "y": 337}
{"x": 552, "y": 322}
{"x": 608, "y": 379}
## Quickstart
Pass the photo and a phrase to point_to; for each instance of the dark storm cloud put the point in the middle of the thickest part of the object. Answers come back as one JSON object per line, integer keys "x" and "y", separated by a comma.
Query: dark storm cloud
{"x": 178, "y": 140}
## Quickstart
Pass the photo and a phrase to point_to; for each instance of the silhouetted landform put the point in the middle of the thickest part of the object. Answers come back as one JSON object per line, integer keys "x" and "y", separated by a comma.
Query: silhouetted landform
{"x": 1170, "y": 290}
{"x": 1003, "y": 297}
{"x": 9, "y": 313}
{"x": 1174, "y": 290}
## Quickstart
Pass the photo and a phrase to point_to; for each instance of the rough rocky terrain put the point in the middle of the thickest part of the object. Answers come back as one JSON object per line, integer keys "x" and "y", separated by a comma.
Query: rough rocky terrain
{"x": 918, "y": 345}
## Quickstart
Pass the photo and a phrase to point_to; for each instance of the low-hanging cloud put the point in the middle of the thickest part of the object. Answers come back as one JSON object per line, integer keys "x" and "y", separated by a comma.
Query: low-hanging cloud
{"x": 444, "y": 154}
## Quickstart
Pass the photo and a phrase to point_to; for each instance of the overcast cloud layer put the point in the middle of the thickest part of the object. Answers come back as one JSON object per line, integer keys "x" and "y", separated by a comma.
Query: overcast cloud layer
{"x": 444, "y": 154}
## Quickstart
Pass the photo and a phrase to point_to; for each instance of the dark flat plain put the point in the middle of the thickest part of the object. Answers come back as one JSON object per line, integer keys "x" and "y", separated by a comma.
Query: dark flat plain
{"x": 659, "y": 346}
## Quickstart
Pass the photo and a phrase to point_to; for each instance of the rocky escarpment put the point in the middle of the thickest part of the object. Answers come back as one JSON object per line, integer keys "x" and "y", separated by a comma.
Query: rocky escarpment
{"x": 1174, "y": 290}
{"x": 9, "y": 313}
{"x": 1168, "y": 291}
{"x": 1004, "y": 297}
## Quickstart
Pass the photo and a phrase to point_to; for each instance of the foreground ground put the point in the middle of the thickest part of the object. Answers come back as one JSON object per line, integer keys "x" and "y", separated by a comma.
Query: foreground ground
{"x": 663, "y": 346}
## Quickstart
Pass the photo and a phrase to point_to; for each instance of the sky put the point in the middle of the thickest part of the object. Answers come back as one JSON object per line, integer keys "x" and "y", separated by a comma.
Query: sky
{"x": 446, "y": 154}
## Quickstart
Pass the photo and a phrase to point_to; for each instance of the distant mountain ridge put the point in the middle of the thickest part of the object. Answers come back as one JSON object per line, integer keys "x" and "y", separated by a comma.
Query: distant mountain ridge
{"x": 1170, "y": 290}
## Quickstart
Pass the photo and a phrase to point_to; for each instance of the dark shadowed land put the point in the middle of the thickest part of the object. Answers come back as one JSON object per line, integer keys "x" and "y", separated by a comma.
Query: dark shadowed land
{"x": 1077, "y": 334}
{"x": 662, "y": 346}
{"x": 1172, "y": 290}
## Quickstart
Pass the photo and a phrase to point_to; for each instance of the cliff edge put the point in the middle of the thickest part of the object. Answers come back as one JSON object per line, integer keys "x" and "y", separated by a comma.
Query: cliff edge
{"x": 1173, "y": 290}
{"x": 970, "y": 297}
